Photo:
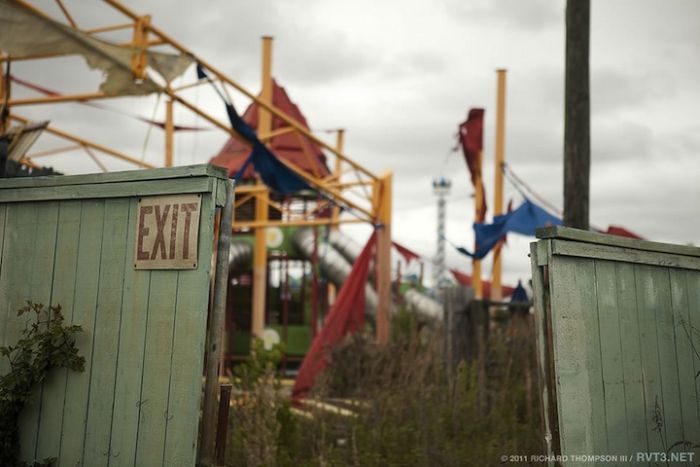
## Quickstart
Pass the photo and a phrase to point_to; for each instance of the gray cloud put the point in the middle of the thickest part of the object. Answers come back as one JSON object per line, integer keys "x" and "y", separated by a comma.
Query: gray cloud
{"x": 528, "y": 15}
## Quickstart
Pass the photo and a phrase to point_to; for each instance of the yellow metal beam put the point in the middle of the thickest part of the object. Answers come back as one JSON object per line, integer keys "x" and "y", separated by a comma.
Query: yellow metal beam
{"x": 261, "y": 202}
{"x": 383, "y": 194}
{"x": 221, "y": 76}
{"x": 496, "y": 289}
{"x": 90, "y": 96}
{"x": 240, "y": 225}
{"x": 169, "y": 132}
{"x": 84, "y": 142}
{"x": 478, "y": 202}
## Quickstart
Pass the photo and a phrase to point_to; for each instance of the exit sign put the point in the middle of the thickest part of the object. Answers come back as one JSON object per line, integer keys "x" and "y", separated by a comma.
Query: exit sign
{"x": 167, "y": 231}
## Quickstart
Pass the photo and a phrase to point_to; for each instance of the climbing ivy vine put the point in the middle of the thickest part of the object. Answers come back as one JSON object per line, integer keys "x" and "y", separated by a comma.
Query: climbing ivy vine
{"x": 45, "y": 343}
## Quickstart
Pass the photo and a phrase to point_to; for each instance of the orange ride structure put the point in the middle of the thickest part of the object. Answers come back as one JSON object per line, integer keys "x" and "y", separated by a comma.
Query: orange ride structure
{"x": 140, "y": 60}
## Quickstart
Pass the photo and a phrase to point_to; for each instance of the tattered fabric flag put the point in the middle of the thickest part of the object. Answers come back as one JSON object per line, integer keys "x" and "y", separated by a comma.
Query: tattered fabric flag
{"x": 26, "y": 32}
{"x": 407, "y": 254}
{"x": 524, "y": 220}
{"x": 471, "y": 138}
{"x": 346, "y": 316}
{"x": 274, "y": 173}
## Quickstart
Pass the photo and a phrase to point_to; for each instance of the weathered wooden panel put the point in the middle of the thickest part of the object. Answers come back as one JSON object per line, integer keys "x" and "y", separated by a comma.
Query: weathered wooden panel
{"x": 65, "y": 270}
{"x": 622, "y": 354}
{"x": 85, "y": 302}
{"x": 70, "y": 241}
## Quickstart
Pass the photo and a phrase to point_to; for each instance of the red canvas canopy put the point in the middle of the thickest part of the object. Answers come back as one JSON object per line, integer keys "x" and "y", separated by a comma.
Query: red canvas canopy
{"x": 291, "y": 146}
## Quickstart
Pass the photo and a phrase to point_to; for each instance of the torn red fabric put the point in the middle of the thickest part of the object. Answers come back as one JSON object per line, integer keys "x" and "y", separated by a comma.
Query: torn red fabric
{"x": 346, "y": 316}
{"x": 471, "y": 137}
{"x": 288, "y": 145}
{"x": 407, "y": 254}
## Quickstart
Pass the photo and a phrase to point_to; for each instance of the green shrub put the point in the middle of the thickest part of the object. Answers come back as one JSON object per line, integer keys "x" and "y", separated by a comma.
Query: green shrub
{"x": 45, "y": 343}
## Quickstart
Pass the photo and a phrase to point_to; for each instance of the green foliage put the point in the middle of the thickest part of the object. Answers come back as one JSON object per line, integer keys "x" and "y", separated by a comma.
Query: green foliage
{"x": 261, "y": 417}
{"x": 45, "y": 343}
{"x": 405, "y": 407}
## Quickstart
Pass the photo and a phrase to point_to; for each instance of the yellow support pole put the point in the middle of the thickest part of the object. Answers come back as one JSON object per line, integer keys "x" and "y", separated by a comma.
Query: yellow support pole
{"x": 478, "y": 202}
{"x": 496, "y": 289}
{"x": 335, "y": 212}
{"x": 140, "y": 43}
{"x": 383, "y": 193}
{"x": 261, "y": 200}
{"x": 169, "y": 131}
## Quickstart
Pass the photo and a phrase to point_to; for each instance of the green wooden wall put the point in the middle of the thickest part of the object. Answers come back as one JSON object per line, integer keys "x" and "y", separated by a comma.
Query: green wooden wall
{"x": 70, "y": 241}
{"x": 618, "y": 341}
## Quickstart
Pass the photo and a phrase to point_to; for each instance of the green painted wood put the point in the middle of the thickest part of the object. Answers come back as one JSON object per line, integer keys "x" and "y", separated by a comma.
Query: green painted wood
{"x": 42, "y": 261}
{"x": 132, "y": 341}
{"x": 137, "y": 403}
{"x": 156, "y": 368}
{"x": 668, "y": 359}
{"x": 693, "y": 288}
{"x": 65, "y": 270}
{"x": 685, "y": 353}
{"x": 185, "y": 172}
{"x": 651, "y": 374}
{"x": 107, "y": 190}
{"x": 612, "y": 365}
{"x": 648, "y": 303}
{"x": 75, "y": 409}
{"x": 594, "y": 251}
{"x": 631, "y": 344}
{"x": 541, "y": 317}
{"x": 625, "y": 319}
{"x": 577, "y": 355}
{"x": 113, "y": 260}
{"x": 4, "y": 364}
{"x": 567, "y": 233}
{"x": 189, "y": 337}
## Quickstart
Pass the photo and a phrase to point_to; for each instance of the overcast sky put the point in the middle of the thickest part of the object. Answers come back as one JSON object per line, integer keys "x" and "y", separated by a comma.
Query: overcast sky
{"x": 400, "y": 75}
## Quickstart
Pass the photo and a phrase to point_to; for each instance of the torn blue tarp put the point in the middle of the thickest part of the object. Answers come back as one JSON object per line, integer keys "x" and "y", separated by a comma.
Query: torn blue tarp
{"x": 524, "y": 220}
{"x": 274, "y": 173}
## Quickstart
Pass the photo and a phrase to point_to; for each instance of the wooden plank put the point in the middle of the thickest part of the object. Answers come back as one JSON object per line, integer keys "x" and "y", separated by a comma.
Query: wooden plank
{"x": 107, "y": 190}
{"x": 611, "y": 358}
{"x": 685, "y": 353}
{"x": 567, "y": 233}
{"x": 577, "y": 356}
{"x": 541, "y": 302}
{"x": 86, "y": 287}
{"x": 132, "y": 341}
{"x": 63, "y": 289}
{"x": 184, "y": 172}
{"x": 647, "y": 305}
{"x": 693, "y": 288}
{"x": 185, "y": 385}
{"x": 4, "y": 316}
{"x": 637, "y": 422}
{"x": 668, "y": 360}
{"x": 42, "y": 261}
{"x": 156, "y": 368}
{"x": 96, "y": 450}
{"x": 628, "y": 255}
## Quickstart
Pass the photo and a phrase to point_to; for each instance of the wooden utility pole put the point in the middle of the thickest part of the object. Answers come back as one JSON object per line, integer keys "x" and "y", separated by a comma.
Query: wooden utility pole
{"x": 577, "y": 125}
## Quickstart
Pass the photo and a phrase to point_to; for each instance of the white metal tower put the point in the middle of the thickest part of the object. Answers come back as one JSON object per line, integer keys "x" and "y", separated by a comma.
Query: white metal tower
{"x": 441, "y": 188}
